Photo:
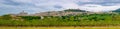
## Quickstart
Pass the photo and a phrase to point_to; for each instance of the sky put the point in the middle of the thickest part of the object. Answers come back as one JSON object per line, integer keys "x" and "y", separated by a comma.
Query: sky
{"x": 36, "y": 6}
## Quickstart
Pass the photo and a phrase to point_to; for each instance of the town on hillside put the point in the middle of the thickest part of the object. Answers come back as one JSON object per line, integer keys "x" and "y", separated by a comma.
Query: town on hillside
{"x": 59, "y": 13}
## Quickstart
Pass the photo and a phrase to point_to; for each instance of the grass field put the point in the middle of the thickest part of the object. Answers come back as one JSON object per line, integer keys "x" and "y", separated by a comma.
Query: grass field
{"x": 59, "y": 27}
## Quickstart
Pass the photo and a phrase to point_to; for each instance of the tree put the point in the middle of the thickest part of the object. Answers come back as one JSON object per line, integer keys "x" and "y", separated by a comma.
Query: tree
{"x": 30, "y": 17}
{"x": 7, "y": 17}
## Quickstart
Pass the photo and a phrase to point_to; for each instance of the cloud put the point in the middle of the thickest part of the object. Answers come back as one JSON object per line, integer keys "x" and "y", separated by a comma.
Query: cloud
{"x": 98, "y": 8}
{"x": 33, "y": 6}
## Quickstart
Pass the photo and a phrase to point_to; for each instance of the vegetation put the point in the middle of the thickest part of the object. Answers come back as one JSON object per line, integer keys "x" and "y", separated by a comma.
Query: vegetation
{"x": 74, "y": 10}
{"x": 69, "y": 20}
{"x": 59, "y": 27}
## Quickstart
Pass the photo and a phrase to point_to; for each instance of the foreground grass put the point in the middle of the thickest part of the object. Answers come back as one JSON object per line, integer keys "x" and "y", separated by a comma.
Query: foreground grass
{"x": 59, "y": 27}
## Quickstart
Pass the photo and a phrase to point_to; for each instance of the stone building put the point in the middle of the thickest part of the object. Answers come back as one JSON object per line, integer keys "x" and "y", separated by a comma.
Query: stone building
{"x": 23, "y": 13}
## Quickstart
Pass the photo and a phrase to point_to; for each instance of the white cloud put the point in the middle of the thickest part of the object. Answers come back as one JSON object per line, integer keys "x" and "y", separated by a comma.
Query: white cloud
{"x": 85, "y": 0}
{"x": 66, "y": 4}
{"x": 98, "y": 8}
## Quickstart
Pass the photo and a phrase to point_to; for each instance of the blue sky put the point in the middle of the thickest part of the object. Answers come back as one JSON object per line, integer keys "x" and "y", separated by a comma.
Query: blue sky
{"x": 35, "y": 6}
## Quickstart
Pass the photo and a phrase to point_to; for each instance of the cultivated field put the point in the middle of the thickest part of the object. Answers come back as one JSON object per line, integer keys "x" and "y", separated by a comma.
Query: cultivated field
{"x": 59, "y": 27}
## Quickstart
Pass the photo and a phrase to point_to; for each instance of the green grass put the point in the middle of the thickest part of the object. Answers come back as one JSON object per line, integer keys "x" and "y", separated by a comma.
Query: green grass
{"x": 59, "y": 27}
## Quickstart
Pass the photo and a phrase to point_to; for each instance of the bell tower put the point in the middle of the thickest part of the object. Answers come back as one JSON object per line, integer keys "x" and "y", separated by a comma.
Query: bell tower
{"x": 23, "y": 13}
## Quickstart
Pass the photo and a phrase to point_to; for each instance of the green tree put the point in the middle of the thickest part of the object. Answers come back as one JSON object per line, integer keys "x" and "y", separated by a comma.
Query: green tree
{"x": 7, "y": 17}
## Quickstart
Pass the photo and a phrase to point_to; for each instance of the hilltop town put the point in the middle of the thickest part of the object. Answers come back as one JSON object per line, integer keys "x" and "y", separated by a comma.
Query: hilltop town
{"x": 58, "y": 13}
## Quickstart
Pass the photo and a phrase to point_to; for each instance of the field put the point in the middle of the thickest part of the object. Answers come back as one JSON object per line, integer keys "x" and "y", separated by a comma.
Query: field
{"x": 59, "y": 27}
{"x": 57, "y": 22}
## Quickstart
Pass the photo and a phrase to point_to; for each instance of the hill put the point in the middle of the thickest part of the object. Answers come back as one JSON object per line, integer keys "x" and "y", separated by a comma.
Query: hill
{"x": 54, "y": 13}
{"x": 118, "y": 10}
{"x": 75, "y": 10}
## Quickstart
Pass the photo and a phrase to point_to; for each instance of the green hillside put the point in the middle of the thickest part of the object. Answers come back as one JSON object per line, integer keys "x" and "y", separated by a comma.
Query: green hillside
{"x": 74, "y": 10}
{"x": 118, "y": 10}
